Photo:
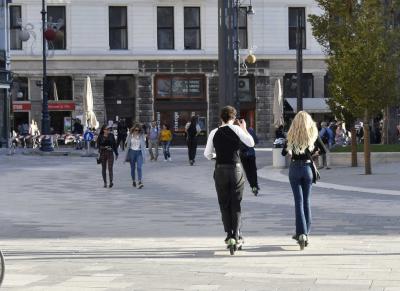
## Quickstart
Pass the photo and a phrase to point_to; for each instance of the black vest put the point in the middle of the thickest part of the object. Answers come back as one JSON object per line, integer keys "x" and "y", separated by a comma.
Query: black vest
{"x": 227, "y": 145}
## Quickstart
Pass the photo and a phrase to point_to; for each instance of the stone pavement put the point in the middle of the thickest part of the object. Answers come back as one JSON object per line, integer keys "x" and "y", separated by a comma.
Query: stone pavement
{"x": 61, "y": 230}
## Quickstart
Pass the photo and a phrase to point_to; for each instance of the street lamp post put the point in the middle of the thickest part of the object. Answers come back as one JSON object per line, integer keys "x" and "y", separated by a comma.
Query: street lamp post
{"x": 299, "y": 60}
{"x": 46, "y": 144}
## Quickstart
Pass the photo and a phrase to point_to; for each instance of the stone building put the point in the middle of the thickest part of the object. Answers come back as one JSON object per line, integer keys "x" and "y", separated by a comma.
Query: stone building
{"x": 157, "y": 59}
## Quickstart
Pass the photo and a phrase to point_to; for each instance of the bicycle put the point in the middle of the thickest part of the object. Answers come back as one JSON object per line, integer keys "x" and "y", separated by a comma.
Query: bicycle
{"x": 2, "y": 268}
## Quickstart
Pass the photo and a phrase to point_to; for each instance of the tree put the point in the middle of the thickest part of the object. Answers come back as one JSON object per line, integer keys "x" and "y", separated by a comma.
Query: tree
{"x": 361, "y": 60}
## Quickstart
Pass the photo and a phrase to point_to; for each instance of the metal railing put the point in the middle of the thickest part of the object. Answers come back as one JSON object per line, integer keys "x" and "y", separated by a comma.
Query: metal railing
{"x": 5, "y": 77}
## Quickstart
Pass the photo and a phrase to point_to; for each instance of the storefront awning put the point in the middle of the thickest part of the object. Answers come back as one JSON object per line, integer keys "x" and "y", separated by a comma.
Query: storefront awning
{"x": 311, "y": 105}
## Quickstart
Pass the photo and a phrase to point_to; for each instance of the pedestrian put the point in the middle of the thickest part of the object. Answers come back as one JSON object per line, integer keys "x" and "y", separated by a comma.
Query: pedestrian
{"x": 302, "y": 144}
{"x": 279, "y": 132}
{"x": 192, "y": 130}
{"x": 122, "y": 131}
{"x": 144, "y": 130}
{"x": 78, "y": 132}
{"x": 248, "y": 159}
{"x": 166, "y": 138}
{"x": 154, "y": 140}
{"x": 327, "y": 138}
{"x": 340, "y": 135}
{"x": 223, "y": 145}
{"x": 107, "y": 148}
{"x": 136, "y": 154}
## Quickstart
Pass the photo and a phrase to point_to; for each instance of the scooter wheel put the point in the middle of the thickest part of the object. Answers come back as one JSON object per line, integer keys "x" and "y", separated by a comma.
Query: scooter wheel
{"x": 232, "y": 250}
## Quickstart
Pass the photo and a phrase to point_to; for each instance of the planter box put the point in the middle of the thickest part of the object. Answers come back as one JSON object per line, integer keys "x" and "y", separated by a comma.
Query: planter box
{"x": 344, "y": 159}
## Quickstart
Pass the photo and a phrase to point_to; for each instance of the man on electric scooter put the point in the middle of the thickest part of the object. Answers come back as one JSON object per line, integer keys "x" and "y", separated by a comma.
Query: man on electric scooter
{"x": 223, "y": 145}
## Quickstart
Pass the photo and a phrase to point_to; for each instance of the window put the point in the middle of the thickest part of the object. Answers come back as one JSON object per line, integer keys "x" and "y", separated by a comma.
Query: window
{"x": 2, "y": 59}
{"x": 118, "y": 28}
{"x": 290, "y": 85}
{"x": 59, "y": 88}
{"x": 180, "y": 87}
{"x": 327, "y": 81}
{"x": 294, "y": 13}
{"x": 192, "y": 28}
{"x": 165, "y": 28}
{"x": 119, "y": 87}
{"x": 15, "y": 28}
{"x": 19, "y": 89}
{"x": 56, "y": 18}
{"x": 243, "y": 43}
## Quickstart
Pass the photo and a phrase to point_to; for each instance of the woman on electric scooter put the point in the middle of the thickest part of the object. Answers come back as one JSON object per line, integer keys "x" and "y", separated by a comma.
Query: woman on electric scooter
{"x": 302, "y": 144}
{"x": 223, "y": 145}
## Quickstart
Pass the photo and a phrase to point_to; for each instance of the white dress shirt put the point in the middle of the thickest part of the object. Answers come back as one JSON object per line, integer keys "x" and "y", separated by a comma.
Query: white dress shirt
{"x": 244, "y": 137}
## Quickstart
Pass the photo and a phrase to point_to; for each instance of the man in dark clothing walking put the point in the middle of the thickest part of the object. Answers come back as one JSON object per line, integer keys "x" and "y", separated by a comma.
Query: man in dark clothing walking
{"x": 122, "y": 130}
{"x": 248, "y": 159}
{"x": 223, "y": 145}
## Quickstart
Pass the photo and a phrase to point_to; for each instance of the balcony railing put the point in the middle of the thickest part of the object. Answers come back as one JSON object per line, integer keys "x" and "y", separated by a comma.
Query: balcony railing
{"x": 5, "y": 77}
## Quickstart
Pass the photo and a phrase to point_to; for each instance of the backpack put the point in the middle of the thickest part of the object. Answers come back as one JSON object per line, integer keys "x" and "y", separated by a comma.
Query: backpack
{"x": 191, "y": 131}
{"x": 325, "y": 136}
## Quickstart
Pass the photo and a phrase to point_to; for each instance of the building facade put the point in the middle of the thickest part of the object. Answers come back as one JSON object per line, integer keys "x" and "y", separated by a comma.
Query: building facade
{"x": 5, "y": 76}
{"x": 158, "y": 59}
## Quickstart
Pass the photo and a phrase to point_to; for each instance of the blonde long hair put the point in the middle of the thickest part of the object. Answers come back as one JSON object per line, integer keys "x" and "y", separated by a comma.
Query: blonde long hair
{"x": 302, "y": 133}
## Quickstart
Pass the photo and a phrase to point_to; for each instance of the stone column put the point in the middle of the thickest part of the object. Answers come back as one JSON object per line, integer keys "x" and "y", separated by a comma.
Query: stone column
{"x": 145, "y": 100}
{"x": 264, "y": 117}
{"x": 213, "y": 103}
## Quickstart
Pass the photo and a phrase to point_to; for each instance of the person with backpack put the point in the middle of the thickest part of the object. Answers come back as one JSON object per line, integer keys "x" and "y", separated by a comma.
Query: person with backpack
{"x": 327, "y": 138}
{"x": 192, "y": 130}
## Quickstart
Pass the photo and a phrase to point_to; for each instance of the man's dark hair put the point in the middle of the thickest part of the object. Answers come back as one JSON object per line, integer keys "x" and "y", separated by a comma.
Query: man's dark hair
{"x": 228, "y": 113}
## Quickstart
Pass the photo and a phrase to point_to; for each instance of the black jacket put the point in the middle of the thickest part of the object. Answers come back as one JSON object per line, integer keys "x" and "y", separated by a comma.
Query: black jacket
{"x": 104, "y": 143}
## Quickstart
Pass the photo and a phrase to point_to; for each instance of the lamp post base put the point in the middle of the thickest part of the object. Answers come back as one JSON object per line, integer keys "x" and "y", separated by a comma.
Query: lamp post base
{"x": 46, "y": 144}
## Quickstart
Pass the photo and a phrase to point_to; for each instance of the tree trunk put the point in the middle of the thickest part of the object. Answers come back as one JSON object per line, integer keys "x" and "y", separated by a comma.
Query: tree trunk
{"x": 353, "y": 146}
{"x": 367, "y": 150}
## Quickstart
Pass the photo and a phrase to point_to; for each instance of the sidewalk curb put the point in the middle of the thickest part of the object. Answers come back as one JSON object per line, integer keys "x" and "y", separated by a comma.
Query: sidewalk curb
{"x": 277, "y": 175}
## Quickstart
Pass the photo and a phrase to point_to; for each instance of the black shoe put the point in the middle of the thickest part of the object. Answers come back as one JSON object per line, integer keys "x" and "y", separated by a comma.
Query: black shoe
{"x": 134, "y": 184}
{"x": 140, "y": 185}
{"x": 111, "y": 184}
{"x": 255, "y": 191}
{"x": 105, "y": 185}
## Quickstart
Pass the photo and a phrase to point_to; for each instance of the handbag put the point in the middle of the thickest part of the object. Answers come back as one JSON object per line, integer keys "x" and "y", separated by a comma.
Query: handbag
{"x": 314, "y": 169}
{"x": 98, "y": 159}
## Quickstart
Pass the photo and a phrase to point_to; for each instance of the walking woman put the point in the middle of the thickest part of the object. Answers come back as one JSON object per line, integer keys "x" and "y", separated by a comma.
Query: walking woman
{"x": 107, "y": 148}
{"x": 136, "y": 154}
{"x": 192, "y": 130}
{"x": 223, "y": 145}
{"x": 166, "y": 138}
{"x": 302, "y": 144}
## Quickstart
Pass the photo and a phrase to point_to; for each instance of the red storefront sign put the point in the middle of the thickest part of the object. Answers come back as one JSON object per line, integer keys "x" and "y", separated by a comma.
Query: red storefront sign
{"x": 61, "y": 106}
{"x": 21, "y": 106}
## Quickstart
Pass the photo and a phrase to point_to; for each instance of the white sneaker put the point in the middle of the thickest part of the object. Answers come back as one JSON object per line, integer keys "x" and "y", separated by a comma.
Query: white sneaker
{"x": 169, "y": 159}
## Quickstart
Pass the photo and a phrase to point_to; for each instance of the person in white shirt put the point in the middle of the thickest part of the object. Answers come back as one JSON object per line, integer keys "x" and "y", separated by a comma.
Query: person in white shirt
{"x": 223, "y": 145}
{"x": 136, "y": 154}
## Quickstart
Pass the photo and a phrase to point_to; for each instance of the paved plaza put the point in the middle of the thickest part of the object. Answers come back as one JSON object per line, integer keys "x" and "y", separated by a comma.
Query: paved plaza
{"x": 61, "y": 230}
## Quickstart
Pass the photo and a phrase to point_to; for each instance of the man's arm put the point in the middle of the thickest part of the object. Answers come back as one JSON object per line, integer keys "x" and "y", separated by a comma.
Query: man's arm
{"x": 209, "y": 151}
{"x": 243, "y": 135}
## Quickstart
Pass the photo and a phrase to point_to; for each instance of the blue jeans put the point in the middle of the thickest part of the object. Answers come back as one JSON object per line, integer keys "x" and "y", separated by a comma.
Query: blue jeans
{"x": 136, "y": 160}
{"x": 300, "y": 177}
{"x": 165, "y": 146}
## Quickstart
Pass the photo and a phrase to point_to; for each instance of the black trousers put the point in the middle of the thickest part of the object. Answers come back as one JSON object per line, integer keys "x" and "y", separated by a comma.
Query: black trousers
{"x": 250, "y": 168}
{"x": 192, "y": 148}
{"x": 229, "y": 183}
{"x": 121, "y": 138}
{"x": 107, "y": 161}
